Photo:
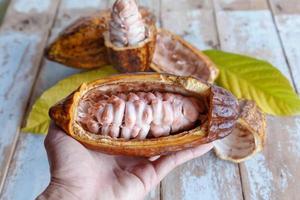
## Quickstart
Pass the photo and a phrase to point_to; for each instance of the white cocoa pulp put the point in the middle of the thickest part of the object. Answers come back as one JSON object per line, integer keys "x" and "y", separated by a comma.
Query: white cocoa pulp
{"x": 126, "y": 27}
{"x": 138, "y": 115}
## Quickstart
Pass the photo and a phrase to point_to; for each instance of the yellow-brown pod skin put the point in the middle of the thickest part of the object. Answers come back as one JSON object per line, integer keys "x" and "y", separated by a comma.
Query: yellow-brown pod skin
{"x": 222, "y": 112}
{"x": 133, "y": 58}
{"x": 81, "y": 45}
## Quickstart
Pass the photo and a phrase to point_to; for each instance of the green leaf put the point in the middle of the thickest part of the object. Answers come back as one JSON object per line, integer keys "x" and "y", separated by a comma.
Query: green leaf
{"x": 255, "y": 79}
{"x": 38, "y": 120}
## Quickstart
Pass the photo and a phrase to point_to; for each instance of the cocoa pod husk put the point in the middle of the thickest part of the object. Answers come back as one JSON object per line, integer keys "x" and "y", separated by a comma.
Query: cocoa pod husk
{"x": 221, "y": 111}
{"x": 247, "y": 138}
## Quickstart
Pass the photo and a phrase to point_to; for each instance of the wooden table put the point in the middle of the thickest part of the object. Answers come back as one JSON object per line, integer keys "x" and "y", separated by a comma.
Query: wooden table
{"x": 268, "y": 29}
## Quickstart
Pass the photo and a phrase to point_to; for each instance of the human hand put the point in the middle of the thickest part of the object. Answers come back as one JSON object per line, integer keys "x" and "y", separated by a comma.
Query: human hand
{"x": 80, "y": 173}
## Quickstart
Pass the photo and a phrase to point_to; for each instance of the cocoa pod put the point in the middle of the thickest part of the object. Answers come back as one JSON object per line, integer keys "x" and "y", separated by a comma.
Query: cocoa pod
{"x": 129, "y": 41}
{"x": 81, "y": 45}
{"x": 217, "y": 112}
{"x": 248, "y": 136}
{"x": 133, "y": 58}
{"x": 176, "y": 56}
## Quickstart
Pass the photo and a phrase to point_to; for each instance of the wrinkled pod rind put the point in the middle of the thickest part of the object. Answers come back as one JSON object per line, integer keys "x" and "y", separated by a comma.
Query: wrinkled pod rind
{"x": 81, "y": 45}
{"x": 64, "y": 115}
{"x": 248, "y": 136}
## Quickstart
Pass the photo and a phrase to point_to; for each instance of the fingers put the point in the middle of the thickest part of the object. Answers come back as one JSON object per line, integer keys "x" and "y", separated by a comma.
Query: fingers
{"x": 151, "y": 173}
{"x": 165, "y": 164}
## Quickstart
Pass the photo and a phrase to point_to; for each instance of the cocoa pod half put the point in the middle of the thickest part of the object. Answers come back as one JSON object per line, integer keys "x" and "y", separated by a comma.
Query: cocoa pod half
{"x": 176, "y": 56}
{"x": 218, "y": 112}
{"x": 248, "y": 136}
{"x": 81, "y": 45}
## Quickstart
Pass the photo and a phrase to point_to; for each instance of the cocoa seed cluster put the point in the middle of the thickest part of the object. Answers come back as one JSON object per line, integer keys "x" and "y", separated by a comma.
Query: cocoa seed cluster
{"x": 138, "y": 115}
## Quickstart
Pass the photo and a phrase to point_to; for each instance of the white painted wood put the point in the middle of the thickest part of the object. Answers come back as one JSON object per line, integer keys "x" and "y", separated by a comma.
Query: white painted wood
{"x": 29, "y": 168}
{"x": 241, "y": 5}
{"x": 193, "y": 20}
{"x": 22, "y": 36}
{"x": 3, "y": 7}
{"x": 272, "y": 174}
{"x": 258, "y": 33}
{"x": 285, "y": 7}
{"x": 28, "y": 173}
{"x": 207, "y": 177}
{"x": 287, "y": 18}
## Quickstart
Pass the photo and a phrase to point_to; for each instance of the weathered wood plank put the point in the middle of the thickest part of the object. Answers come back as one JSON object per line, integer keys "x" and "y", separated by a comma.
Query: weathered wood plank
{"x": 241, "y": 5}
{"x": 193, "y": 20}
{"x": 272, "y": 174}
{"x": 29, "y": 171}
{"x": 285, "y": 7}
{"x": 207, "y": 177}
{"x": 287, "y": 19}
{"x": 3, "y": 7}
{"x": 22, "y": 36}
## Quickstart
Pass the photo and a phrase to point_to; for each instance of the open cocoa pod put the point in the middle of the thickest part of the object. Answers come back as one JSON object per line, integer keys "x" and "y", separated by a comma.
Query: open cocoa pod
{"x": 132, "y": 58}
{"x": 130, "y": 40}
{"x": 146, "y": 114}
{"x": 248, "y": 136}
{"x": 174, "y": 55}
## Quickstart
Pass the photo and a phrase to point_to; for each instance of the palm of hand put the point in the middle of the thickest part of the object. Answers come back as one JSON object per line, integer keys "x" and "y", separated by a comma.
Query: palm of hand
{"x": 93, "y": 175}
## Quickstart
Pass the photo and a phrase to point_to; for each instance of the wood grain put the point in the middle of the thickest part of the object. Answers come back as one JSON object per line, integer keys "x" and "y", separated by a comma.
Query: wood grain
{"x": 22, "y": 36}
{"x": 287, "y": 19}
{"x": 285, "y": 7}
{"x": 240, "y": 5}
{"x": 29, "y": 171}
{"x": 206, "y": 177}
{"x": 272, "y": 174}
{"x": 3, "y": 7}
